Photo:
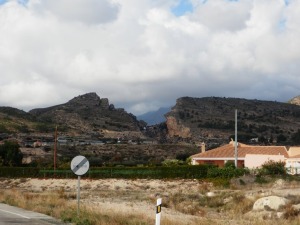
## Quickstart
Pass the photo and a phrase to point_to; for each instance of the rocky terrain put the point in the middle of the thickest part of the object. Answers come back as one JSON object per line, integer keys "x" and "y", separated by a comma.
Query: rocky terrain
{"x": 88, "y": 113}
{"x": 212, "y": 119}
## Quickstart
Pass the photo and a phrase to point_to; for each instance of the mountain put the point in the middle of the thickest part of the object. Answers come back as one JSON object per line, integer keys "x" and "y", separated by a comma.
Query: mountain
{"x": 212, "y": 119}
{"x": 154, "y": 117}
{"x": 191, "y": 120}
{"x": 88, "y": 113}
{"x": 84, "y": 114}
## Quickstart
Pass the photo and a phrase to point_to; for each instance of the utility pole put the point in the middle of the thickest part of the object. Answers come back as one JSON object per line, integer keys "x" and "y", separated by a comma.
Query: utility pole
{"x": 235, "y": 143}
{"x": 55, "y": 149}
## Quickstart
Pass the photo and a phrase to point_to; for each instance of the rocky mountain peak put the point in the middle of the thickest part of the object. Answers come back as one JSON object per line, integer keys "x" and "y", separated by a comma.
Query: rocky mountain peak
{"x": 86, "y": 99}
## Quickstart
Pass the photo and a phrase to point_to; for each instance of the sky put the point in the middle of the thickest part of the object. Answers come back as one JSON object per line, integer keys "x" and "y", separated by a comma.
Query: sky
{"x": 144, "y": 54}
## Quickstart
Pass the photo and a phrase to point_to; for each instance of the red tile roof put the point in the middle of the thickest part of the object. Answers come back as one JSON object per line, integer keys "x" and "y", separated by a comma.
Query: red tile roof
{"x": 227, "y": 151}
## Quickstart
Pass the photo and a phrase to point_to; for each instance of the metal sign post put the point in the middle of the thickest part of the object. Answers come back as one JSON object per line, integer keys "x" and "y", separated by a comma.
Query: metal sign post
{"x": 79, "y": 165}
{"x": 158, "y": 211}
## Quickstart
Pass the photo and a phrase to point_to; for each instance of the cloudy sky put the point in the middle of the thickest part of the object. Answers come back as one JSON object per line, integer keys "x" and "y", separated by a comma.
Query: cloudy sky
{"x": 144, "y": 54}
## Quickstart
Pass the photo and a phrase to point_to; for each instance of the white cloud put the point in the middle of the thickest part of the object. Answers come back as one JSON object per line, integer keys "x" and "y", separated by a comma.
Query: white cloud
{"x": 87, "y": 11}
{"x": 141, "y": 56}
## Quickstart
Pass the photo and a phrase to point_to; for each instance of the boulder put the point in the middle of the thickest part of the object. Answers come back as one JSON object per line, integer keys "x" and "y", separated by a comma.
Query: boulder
{"x": 270, "y": 203}
{"x": 210, "y": 194}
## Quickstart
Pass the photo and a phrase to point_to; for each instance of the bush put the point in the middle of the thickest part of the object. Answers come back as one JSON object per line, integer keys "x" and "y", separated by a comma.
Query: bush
{"x": 229, "y": 164}
{"x": 172, "y": 162}
{"x": 273, "y": 168}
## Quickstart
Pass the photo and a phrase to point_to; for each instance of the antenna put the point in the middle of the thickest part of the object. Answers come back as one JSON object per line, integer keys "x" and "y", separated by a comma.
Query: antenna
{"x": 235, "y": 143}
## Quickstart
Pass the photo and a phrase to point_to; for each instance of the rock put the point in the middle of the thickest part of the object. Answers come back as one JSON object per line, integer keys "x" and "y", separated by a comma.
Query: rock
{"x": 229, "y": 199}
{"x": 280, "y": 215}
{"x": 270, "y": 203}
{"x": 177, "y": 129}
{"x": 210, "y": 194}
{"x": 295, "y": 100}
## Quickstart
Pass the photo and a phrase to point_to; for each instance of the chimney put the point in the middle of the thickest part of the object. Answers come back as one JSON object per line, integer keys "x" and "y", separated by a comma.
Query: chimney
{"x": 202, "y": 147}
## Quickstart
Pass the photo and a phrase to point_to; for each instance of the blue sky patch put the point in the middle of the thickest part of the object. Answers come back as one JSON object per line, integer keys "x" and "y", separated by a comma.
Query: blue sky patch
{"x": 2, "y": 2}
{"x": 22, "y": 2}
{"x": 182, "y": 8}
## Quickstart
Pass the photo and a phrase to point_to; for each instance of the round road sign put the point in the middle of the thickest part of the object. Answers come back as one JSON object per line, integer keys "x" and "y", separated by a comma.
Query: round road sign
{"x": 80, "y": 165}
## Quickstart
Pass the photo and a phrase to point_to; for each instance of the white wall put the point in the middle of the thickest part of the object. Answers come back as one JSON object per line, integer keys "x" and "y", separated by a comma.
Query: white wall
{"x": 256, "y": 161}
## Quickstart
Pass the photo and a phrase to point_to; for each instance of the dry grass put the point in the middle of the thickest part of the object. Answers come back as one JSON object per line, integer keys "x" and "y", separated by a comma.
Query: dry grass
{"x": 111, "y": 202}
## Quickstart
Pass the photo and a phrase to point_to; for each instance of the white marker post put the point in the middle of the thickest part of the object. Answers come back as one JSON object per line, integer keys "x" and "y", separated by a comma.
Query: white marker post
{"x": 79, "y": 165}
{"x": 158, "y": 211}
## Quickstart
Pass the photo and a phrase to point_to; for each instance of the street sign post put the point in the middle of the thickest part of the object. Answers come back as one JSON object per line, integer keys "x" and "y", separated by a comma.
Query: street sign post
{"x": 79, "y": 165}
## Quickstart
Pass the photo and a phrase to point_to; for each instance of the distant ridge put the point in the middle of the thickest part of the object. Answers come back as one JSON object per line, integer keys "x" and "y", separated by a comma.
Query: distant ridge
{"x": 155, "y": 117}
{"x": 212, "y": 119}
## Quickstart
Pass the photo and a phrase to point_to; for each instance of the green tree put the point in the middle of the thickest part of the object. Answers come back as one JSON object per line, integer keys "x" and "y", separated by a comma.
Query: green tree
{"x": 11, "y": 154}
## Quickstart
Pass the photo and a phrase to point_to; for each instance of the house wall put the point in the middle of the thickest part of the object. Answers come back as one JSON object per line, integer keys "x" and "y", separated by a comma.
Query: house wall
{"x": 294, "y": 151}
{"x": 256, "y": 161}
{"x": 293, "y": 166}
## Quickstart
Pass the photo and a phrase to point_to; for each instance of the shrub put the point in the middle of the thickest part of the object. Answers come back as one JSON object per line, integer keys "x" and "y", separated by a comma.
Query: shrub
{"x": 229, "y": 164}
{"x": 273, "y": 168}
{"x": 172, "y": 162}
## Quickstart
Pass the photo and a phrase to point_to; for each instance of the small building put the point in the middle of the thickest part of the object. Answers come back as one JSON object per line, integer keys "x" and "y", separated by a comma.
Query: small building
{"x": 248, "y": 155}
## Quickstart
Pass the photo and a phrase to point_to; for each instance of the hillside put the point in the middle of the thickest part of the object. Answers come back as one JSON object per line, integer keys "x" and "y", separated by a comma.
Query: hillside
{"x": 192, "y": 120}
{"x": 13, "y": 120}
{"x": 211, "y": 119}
{"x": 86, "y": 114}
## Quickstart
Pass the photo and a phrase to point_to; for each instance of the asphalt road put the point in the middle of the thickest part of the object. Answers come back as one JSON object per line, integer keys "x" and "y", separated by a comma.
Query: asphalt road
{"x": 12, "y": 215}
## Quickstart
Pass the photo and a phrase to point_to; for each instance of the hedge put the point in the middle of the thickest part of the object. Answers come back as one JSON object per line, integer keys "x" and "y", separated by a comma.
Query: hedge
{"x": 226, "y": 172}
{"x": 184, "y": 172}
{"x": 19, "y": 172}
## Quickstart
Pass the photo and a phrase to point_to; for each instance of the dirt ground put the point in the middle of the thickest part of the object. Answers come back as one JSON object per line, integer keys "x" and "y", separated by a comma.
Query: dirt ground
{"x": 121, "y": 196}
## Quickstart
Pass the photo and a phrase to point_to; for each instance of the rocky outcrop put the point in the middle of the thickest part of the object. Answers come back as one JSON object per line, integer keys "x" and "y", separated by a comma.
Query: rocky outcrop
{"x": 177, "y": 130}
{"x": 295, "y": 100}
